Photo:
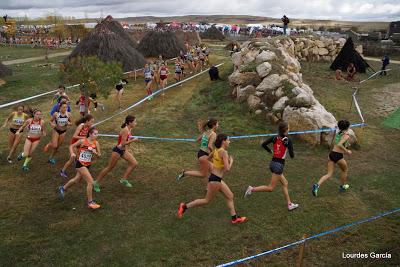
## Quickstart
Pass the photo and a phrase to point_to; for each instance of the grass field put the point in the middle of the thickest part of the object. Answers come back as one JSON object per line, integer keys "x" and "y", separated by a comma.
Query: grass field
{"x": 138, "y": 226}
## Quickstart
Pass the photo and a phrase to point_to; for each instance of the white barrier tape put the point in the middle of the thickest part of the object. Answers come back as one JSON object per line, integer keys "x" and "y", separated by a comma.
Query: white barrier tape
{"x": 373, "y": 75}
{"x": 51, "y": 92}
{"x": 33, "y": 97}
{"x": 155, "y": 93}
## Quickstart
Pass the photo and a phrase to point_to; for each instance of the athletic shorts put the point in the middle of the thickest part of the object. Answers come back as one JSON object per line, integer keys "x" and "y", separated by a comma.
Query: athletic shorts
{"x": 276, "y": 167}
{"x": 79, "y": 165}
{"x": 14, "y": 131}
{"x": 33, "y": 139}
{"x": 335, "y": 156}
{"x": 178, "y": 72}
{"x": 214, "y": 178}
{"x": 119, "y": 87}
{"x": 116, "y": 149}
{"x": 60, "y": 132}
{"x": 201, "y": 153}
{"x": 147, "y": 81}
{"x": 163, "y": 77}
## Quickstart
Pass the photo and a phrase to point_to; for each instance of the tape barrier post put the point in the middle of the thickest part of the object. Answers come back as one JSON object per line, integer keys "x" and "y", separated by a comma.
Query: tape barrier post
{"x": 301, "y": 241}
{"x": 301, "y": 253}
{"x": 154, "y": 94}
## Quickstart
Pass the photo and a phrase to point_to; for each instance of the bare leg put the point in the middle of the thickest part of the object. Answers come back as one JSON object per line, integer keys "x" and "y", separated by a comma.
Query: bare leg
{"x": 73, "y": 181}
{"x": 16, "y": 142}
{"x": 203, "y": 161}
{"x": 11, "y": 138}
{"x": 132, "y": 164}
{"x": 267, "y": 188}
{"x": 343, "y": 167}
{"x": 84, "y": 172}
{"x": 111, "y": 164}
{"x": 212, "y": 190}
{"x": 226, "y": 191}
{"x": 331, "y": 168}
{"x": 285, "y": 188}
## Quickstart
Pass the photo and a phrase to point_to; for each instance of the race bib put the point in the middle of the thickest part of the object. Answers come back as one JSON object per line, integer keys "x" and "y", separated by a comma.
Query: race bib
{"x": 85, "y": 156}
{"x": 62, "y": 121}
{"x": 35, "y": 129}
{"x": 18, "y": 121}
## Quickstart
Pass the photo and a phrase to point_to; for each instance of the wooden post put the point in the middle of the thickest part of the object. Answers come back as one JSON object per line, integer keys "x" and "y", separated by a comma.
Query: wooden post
{"x": 301, "y": 253}
{"x": 135, "y": 74}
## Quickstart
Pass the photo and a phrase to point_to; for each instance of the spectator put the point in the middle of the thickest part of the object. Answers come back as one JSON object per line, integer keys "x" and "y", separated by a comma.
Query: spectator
{"x": 351, "y": 72}
{"x": 285, "y": 21}
{"x": 385, "y": 62}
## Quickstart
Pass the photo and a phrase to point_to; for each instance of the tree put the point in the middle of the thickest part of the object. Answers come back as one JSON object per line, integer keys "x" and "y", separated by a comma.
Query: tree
{"x": 93, "y": 75}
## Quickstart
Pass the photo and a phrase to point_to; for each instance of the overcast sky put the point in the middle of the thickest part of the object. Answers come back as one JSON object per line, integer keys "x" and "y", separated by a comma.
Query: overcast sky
{"x": 361, "y": 10}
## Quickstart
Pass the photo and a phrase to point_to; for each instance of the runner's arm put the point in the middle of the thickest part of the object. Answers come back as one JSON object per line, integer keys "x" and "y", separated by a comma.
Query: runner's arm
{"x": 266, "y": 143}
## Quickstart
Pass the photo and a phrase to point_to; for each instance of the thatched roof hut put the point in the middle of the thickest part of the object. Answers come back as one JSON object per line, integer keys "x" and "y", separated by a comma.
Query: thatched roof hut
{"x": 212, "y": 33}
{"x": 4, "y": 71}
{"x": 107, "y": 43}
{"x": 166, "y": 44}
{"x": 116, "y": 27}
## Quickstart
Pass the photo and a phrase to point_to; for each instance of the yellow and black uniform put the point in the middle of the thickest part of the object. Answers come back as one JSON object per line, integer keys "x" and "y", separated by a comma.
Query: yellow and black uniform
{"x": 218, "y": 163}
{"x": 17, "y": 120}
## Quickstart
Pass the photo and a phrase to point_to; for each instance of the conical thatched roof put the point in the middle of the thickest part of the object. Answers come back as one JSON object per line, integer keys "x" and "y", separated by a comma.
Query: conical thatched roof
{"x": 105, "y": 41}
{"x": 347, "y": 55}
{"x": 116, "y": 27}
{"x": 213, "y": 34}
{"x": 166, "y": 44}
{"x": 4, "y": 71}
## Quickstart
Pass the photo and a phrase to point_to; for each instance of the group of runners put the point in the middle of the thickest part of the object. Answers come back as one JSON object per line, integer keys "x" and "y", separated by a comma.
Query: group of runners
{"x": 213, "y": 157}
{"x": 156, "y": 73}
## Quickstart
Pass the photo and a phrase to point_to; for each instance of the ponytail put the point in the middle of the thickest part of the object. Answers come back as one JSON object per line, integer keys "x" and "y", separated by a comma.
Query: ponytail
{"x": 128, "y": 120}
{"x": 203, "y": 125}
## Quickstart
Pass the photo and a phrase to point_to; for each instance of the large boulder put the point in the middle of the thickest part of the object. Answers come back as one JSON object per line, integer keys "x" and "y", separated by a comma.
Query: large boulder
{"x": 244, "y": 79}
{"x": 264, "y": 69}
{"x": 289, "y": 62}
{"x": 243, "y": 93}
{"x": 280, "y": 104}
{"x": 270, "y": 82}
{"x": 237, "y": 59}
{"x": 313, "y": 118}
{"x": 303, "y": 100}
{"x": 253, "y": 102}
{"x": 266, "y": 56}
{"x": 323, "y": 51}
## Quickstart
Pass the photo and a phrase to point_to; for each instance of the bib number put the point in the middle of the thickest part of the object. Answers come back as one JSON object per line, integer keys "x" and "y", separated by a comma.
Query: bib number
{"x": 86, "y": 156}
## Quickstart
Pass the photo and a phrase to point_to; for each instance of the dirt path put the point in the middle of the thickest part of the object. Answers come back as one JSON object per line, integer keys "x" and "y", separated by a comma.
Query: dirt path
{"x": 387, "y": 99}
{"x": 30, "y": 59}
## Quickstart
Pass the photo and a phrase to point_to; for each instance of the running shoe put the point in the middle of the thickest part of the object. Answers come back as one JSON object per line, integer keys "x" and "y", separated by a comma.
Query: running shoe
{"x": 125, "y": 182}
{"x": 52, "y": 161}
{"x": 180, "y": 175}
{"x": 93, "y": 205}
{"x": 46, "y": 148}
{"x": 96, "y": 187}
{"x": 238, "y": 219}
{"x": 292, "y": 206}
{"x": 63, "y": 174}
{"x": 343, "y": 188}
{"x": 20, "y": 157}
{"x": 61, "y": 192}
{"x": 315, "y": 188}
{"x": 248, "y": 191}
{"x": 9, "y": 160}
{"x": 181, "y": 210}
{"x": 103, "y": 107}
{"x": 25, "y": 168}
